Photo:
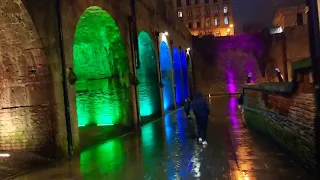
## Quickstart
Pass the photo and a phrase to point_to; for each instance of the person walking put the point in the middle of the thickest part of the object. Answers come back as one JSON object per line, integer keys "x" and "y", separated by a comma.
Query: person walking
{"x": 187, "y": 107}
{"x": 200, "y": 108}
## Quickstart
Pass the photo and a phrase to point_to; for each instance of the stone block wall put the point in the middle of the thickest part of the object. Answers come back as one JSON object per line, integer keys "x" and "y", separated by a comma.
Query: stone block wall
{"x": 32, "y": 106}
{"x": 27, "y": 121}
{"x": 286, "y": 48}
{"x": 225, "y": 63}
{"x": 287, "y": 116}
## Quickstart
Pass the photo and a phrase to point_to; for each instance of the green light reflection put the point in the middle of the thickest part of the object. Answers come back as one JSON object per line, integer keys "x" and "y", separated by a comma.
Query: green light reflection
{"x": 105, "y": 158}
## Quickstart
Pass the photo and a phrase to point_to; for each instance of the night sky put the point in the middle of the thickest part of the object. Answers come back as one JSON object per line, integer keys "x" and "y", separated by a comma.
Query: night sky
{"x": 258, "y": 12}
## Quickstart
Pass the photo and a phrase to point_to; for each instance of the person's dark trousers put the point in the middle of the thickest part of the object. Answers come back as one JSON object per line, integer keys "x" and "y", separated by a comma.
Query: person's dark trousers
{"x": 203, "y": 124}
{"x": 199, "y": 129}
{"x": 187, "y": 112}
{"x": 204, "y": 129}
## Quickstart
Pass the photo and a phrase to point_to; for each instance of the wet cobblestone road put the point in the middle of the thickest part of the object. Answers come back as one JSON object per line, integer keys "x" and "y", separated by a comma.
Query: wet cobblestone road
{"x": 162, "y": 151}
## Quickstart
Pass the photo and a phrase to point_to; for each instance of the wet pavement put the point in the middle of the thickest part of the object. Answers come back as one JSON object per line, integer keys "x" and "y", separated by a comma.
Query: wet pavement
{"x": 162, "y": 150}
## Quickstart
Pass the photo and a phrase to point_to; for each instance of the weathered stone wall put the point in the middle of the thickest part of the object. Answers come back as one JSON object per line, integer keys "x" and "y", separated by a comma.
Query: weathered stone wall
{"x": 226, "y": 62}
{"x": 286, "y": 115}
{"x": 32, "y": 104}
{"x": 27, "y": 101}
{"x": 288, "y": 47}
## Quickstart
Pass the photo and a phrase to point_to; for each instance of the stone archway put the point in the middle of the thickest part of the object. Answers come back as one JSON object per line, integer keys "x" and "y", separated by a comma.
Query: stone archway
{"x": 178, "y": 80}
{"x": 185, "y": 74}
{"x": 26, "y": 112}
{"x": 167, "y": 80}
{"x": 147, "y": 74}
{"x": 102, "y": 69}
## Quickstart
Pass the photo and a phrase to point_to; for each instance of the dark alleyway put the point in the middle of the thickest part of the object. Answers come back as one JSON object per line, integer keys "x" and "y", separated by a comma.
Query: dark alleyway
{"x": 162, "y": 151}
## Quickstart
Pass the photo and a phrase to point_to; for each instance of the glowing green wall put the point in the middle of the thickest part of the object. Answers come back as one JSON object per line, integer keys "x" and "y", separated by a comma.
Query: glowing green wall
{"x": 147, "y": 74}
{"x": 101, "y": 65}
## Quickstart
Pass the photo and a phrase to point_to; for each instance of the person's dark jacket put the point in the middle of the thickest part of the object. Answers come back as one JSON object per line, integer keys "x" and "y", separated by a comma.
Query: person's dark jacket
{"x": 240, "y": 100}
{"x": 200, "y": 106}
{"x": 187, "y": 106}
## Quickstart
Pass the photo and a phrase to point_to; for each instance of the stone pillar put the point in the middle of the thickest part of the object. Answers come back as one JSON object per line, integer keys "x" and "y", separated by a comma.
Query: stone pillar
{"x": 156, "y": 36}
{"x": 172, "y": 75}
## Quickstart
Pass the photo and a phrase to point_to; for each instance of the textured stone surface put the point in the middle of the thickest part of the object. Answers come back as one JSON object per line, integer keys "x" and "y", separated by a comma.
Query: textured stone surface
{"x": 303, "y": 108}
{"x": 287, "y": 118}
{"x": 226, "y": 62}
{"x": 293, "y": 46}
{"x": 297, "y": 137}
{"x": 31, "y": 93}
{"x": 25, "y": 90}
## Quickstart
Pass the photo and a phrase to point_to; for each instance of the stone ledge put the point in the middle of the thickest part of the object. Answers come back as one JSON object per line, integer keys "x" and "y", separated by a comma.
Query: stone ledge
{"x": 283, "y": 118}
{"x": 280, "y": 87}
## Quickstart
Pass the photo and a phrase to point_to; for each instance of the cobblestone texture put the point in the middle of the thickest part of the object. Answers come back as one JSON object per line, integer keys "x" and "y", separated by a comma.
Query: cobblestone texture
{"x": 288, "y": 120}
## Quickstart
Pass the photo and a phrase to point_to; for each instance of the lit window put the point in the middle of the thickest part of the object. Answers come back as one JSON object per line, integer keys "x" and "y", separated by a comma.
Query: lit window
{"x": 226, "y": 20}
{"x": 228, "y": 31}
{"x": 180, "y": 14}
{"x": 208, "y": 22}
{"x": 225, "y": 9}
{"x": 216, "y": 21}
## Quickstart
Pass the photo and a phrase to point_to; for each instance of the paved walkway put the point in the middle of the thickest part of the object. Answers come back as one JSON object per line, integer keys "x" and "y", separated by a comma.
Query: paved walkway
{"x": 162, "y": 151}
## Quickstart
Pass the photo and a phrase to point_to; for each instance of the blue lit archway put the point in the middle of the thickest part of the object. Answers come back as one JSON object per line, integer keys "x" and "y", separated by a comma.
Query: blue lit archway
{"x": 167, "y": 80}
{"x": 178, "y": 80}
{"x": 185, "y": 74}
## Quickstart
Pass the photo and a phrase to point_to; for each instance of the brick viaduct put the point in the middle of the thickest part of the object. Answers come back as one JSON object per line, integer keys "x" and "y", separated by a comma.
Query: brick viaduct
{"x": 33, "y": 105}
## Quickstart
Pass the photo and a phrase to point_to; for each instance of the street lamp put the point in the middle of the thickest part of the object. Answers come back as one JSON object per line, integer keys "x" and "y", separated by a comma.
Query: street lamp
{"x": 231, "y": 26}
{"x": 249, "y": 77}
{"x": 279, "y": 75}
{"x": 166, "y": 33}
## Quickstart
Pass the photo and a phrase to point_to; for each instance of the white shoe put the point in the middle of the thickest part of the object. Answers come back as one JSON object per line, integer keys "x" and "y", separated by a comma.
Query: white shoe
{"x": 204, "y": 143}
{"x": 200, "y": 139}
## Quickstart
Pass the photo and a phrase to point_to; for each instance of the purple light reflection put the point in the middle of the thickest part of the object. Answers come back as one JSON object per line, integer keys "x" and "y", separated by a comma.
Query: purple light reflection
{"x": 231, "y": 85}
{"x": 233, "y": 112}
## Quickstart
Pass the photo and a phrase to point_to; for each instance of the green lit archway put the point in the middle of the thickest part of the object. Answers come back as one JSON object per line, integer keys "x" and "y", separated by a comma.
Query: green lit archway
{"x": 101, "y": 65}
{"x": 147, "y": 74}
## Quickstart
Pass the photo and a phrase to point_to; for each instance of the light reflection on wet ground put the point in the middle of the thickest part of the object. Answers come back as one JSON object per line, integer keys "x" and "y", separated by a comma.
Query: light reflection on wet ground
{"x": 162, "y": 151}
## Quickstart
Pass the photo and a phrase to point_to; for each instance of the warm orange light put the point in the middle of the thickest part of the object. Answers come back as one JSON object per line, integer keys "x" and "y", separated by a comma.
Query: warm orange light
{"x": 231, "y": 25}
{"x": 4, "y": 155}
{"x": 228, "y": 30}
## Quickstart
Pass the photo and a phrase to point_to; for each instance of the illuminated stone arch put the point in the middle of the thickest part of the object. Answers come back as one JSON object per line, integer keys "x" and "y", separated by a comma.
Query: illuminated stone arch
{"x": 185, "y": 74}
{"x": 166, "y": 72}
{"x": 147, "y": 74}
{"x": 178, "y": 77}
{"x": 102, "y": 69}
{"x": 27, "y": 118}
